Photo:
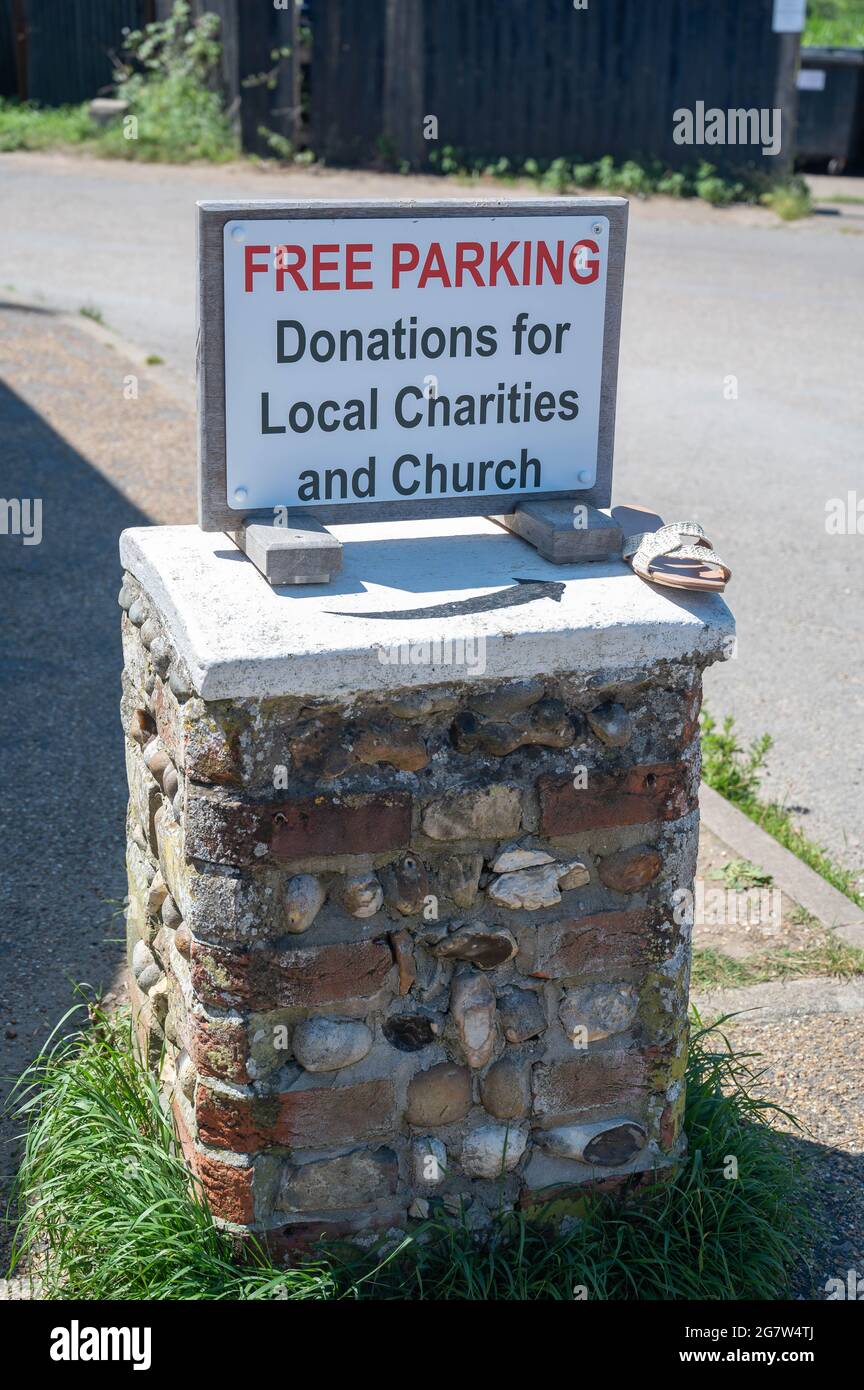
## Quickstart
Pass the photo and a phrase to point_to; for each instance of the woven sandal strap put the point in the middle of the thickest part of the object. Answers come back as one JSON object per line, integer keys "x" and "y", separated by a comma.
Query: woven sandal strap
{"x": 703, "y": 553}
{"x": 668, "y": 538}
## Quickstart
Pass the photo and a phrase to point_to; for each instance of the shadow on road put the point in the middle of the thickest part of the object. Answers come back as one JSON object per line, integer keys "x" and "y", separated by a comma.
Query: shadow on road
{"x": 62, "y": 794}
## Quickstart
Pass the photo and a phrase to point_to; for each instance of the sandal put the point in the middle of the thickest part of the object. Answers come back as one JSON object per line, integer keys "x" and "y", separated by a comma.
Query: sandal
{"x": 678, "y": 556}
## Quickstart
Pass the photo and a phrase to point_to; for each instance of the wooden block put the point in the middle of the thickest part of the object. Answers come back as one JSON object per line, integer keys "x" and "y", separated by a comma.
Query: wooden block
{"x": 301, "y": 552}
{"x": 564, "y": 531}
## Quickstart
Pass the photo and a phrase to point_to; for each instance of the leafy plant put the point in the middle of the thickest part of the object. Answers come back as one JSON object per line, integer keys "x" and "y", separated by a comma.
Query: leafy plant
{"x": 717, "y": 191}
{"x": 835, "y": 23}
{"x": 790, "y": 199}
{"x": 742, "y": 874}
{"x": 729, "y": 768}
{"x": 166, "y": 75}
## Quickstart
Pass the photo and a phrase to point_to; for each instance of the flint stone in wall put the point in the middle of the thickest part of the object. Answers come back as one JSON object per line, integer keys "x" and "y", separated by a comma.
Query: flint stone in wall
{"x": 304, "y": 896}
{"x": 439, "y": 1096}
{"x": 606, "y": 1143}
{"x": 144, "y": 968}
{"x": 492, "y": 1149}
{"x": 150, "y": 630}
{"x": 328, "y": 1044}
{"x": 473, "y": 1009}
{"x": 138, "y": 611}
{"x": 601, "y": 1009}
{"x": 186, "y": 1075}
{"x": 171, "y": 914}
{"x": 156, "y": 760}
{"x": 428, "y": 1162}
{"x": 459, "y": 878}
{"x": 179, "y": 681}
{"x": 522, "y": 1015}
{"x": 529, "y": 889}
{"x": 402, "y": 946}
{"x": 328, "y": 1184}
{"x": 508, "y": 699}
{"x": 144, "y": 793}
{"x": 479, "y": 945}
{"x": 515, "y": 857}
{"x": 409, "y": 1032}
{"x": 399, "y": 746}
{"x": 161, "y": 655}
{"x": 141, "y": 870}
{"x": 505, "y": 1089}
{"x": 485, "y": 814}
{"x": 546, "y": 725}
{"x": 128, "y": 593}
{"x": 574, "y": 875}
{"x": 421, "y": 704}
{"x": 630, "y": 869}
{"x": 612, "y": 724}
{"x": 361, "y": 895}
{"x": 141, "y": 727}
{"x": 406, "y": 885}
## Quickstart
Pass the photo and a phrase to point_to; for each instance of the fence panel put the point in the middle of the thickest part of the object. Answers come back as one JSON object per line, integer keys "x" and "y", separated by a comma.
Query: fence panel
{"x": 346, "y": 80}
{"x": 69, "y": 45}
{"x": 539, "y": 78}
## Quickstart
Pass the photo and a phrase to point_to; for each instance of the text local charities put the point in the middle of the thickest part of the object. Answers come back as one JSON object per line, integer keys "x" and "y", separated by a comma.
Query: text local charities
{"x": 328, "y": 266}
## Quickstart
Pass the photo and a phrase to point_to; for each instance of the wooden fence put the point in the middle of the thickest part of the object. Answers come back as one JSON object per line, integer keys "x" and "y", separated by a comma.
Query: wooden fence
{"x": 516, "y": 79}
{"x": 537, "y": 78}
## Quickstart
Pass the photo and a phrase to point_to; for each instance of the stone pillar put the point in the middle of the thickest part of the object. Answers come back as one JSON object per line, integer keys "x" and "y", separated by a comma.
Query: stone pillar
{"x": 404, "y": 914}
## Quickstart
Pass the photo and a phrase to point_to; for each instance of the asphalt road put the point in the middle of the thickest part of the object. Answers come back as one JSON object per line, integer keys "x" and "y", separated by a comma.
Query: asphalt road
{"x": 710, "y": 296}
{"x": 99, "y": 462}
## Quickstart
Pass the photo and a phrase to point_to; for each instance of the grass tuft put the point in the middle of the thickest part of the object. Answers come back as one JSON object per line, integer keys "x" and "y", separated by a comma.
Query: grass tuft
{"x": 713, "y": 969}
{"x": 26, "y": 126}
{"x": 735, "y": 772}
{"x": 109, "y": 1211}
{"x": 790, "y": 199}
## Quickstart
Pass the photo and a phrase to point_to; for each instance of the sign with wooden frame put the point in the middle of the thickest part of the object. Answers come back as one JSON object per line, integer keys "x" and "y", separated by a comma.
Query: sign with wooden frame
{"x": 366, "y": 361}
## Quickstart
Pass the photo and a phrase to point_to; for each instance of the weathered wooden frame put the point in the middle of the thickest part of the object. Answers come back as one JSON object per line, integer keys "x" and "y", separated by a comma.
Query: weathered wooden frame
{"x": 214, "y": 514}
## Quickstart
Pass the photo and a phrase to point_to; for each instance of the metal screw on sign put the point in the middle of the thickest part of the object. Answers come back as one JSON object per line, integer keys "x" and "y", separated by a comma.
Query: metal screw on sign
{"x": 597, "y": 228}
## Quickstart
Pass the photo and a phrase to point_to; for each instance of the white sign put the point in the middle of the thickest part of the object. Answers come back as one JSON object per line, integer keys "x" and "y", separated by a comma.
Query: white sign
{"x": 398, "y": 359}
{"x": 811, "y": 80}
{"x": 789, "y": 16}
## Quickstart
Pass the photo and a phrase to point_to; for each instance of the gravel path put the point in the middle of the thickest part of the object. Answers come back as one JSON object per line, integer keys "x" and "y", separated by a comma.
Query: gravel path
{"x": 813, "y": 1066}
